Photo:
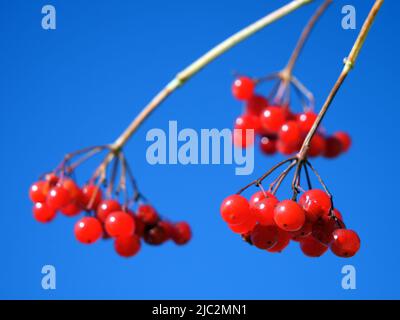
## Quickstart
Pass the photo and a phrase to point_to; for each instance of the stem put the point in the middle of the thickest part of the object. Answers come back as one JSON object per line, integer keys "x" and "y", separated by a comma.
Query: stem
{"x": 304, "y": 36}
{"x": 349, "y": 64}
{"x": 200, "y": 63}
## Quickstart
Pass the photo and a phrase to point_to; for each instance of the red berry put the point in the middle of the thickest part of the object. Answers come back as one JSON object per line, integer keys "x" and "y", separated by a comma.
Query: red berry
{"x": 72, "y": 188}
{"x": 268, "y": 145}
{"x": 182, "y": 233}
{"x": 317, "y": 145}
{"x": 260, "y": 195}
{"x": 256, "y": 104}
{"x": 345, "y": 243}
{"x": 323, "y": 229}
{"x": 264, "y": 211}
{"x": 119, "y": 224}
{"x": 289, "y": 215}
{"x": 235, "y": 209}
{"x": 90, "y": 197}
{"x": 282, "y": 242}
{"x": 58, "y": 197}
{"x": 105, "y": 207}
{"x": 88, "y": 230}
{"x": 344, "y": 139}
{"x": 333, "y": 147}
{"x": 290, "y": 133}
{"x": 52, "y": 179}
{"x": 156, "y": 235}
{"x": 43, "y": 213}
{"x": 337, "y": 214}
{"x": 140, "y": 226}
{"x": 312, "y": 247}
{"x": 244, "y": 227}
{"x": 305, "y": 231}
{"x": 71, "y": 210}
{"x": 264, "y": 237}
{"x": 242, "y": 136}
{"x": 306, "y": 120}
{"x": 147, "y": 214}
{"x": 38, "y": 191}
{"x": 273, "y": 118}
{"x": 127, "y": 246}
{"x": 315, "y": 203}
{"x": 287, "y": 149}
{"x": 243, "y": 88}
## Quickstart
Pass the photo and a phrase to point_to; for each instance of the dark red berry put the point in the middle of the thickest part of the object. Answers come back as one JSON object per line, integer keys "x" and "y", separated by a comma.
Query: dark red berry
{"x": 344, "y": 139}
{"x": 312, "y": 247}
{"x": 182, "y": 233}
{"x": 315, "y": 203}
{"x": 282, "y": 242}
{"x": 256, "y": 104}
{"x": 346, "y": 243}
{"x": 90, "y": 197}
{"x": 268, "y": 145}
{"x": 333, "y": 147}
{"x": 264, "y": 237}
{"x": 147, "y": 214}
{"x": 127, "y": 246}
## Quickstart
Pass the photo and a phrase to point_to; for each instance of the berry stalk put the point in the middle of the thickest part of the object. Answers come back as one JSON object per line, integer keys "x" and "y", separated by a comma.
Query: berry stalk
{"x": 200, "y": 63}
{"x": 348, "y": 65}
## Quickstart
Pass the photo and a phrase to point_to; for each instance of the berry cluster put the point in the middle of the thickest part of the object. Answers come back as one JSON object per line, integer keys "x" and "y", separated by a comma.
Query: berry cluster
{"x": 279, "y": 128}
{"x": 105, "y": 218}
{"x": 270, "y": 224}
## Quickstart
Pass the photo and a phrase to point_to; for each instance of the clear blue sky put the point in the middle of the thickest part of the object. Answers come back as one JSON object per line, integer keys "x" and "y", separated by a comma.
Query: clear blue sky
{"x": 81, "y": 84}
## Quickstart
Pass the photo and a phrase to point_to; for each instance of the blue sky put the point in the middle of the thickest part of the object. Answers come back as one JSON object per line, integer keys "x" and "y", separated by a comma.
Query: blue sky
{"x": 82, "y": 83}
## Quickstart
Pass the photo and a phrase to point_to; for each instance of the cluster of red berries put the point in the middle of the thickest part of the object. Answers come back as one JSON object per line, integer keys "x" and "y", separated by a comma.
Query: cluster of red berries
{"x": 105, "y": 218}
{"x": 270, "y": 224}
{"x": 280, "y": 129}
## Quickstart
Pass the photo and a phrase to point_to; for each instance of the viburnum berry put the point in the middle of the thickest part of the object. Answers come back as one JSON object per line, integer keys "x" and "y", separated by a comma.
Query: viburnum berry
{"x": 290, "y": 133}
{"x": 311, "y": 247}
{"x": 333, "y": 147}
{"x": 140, "y": 226}
{"x": 323, "y": 229}
{"x": 315, "y": 203}
{"x": 264, "y": 237}
{"x": 345, "y": 243}
{"x": 242, "y": 137}
{"x": 268, "y": 145}
{"x": 105, "y": 207}
{"x": 58, "y": 197}
{"x": 264, "y": 211}
{"x": 127, "y": 246}
{"x": 38, "y": 191}
{"x": 71, "y": 210}
{"x": 344, "y": 139}
{"x": 244, "y": 227}
{"x": 306, "y": 120}
{"x": 258, "y": 196}
{"x": 273, "y": 118}
{"x": 256, "y": 104}
{"x": 156, "y": 235}
{"x": 119, "y": 224}
{"x": 305, "y": 231}
{"x": 90, "y": 192}
{"x": 235, "y": 209}
{"x": 147, "y": 214}
{"x": 182, "y": 233}
{"x": 52, "y": 179}
{"x": 88, "y": 230}
{"x": 317, "y": 145}
{"x": 72, "y": 188}
{"x": 289, "y": 215}
{"x": 243, "y": 88}
{"x": 283, "y": 240}
{"x": 287, "y": 149}
{"x": 43, "y": 213}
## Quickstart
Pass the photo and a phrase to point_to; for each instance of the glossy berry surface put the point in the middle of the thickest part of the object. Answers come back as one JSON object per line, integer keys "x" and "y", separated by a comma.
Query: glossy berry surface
{"x": 38, "y": 191}
{"x": 272, "y": 119}
{"x": 289, "y": 215}
{"x": 88, "y": 230}
{"x": 235, "y": 209}
{"x": 90, "y": 197}
{"x": 71, "y": 210}
{"x": 344, "y": 139}
{"x": 120, "y": 224}
{"x": 290, "y": 133}
{"x": 283, "y": 240}
{"x": 315, "y": 203}
{"x": 127, "y": 246}
{"x": 264, "y": 237}
{"x": 106, "y": 207}
{"x": 256, "y": 104}
{"x": 268, "y": 145}
{"x": 333, "y": 147}
{"x": 58, "y": 197}
{"x": 244, "y": 227}
{"x": 43, "y": 213}
{"x": 258, "y": 196}
{"x": 243, "y": 88}
{"x": 147, "y": 214}
{"x": 245, "y": 128}
{"x": 311, "y": 247}
{"x": 264, "y": 211}
{"x": 317, "y": 146}
{"x": 346, "y": 243}
{"x": 306, "y": 120}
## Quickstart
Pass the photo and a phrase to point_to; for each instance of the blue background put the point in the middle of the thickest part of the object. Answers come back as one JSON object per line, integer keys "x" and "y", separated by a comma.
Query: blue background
{"x": 81, "y": 84}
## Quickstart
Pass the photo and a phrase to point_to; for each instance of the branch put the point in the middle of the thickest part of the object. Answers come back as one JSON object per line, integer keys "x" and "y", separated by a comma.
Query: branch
{"x": 200, "y": 63}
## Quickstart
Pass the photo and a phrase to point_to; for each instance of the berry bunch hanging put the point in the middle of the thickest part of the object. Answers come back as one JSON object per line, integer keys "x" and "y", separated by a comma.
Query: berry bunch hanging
{"x": 277, "y": 127}
{"x": 105, "y": 217}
